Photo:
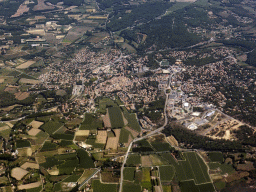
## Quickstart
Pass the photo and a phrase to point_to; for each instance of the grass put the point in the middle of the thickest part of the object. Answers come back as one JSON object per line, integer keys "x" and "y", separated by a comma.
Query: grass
{"x": 5, "y": 133}
{"x": 167, "y": 173}
{"x": 167, "y": 188}
{"x": 99, "y": 187}
{"x": 22, "y": 143}
{"x": 157, "y": 160}
{"x": 129, "y": 173}
{"x": 220, "y": 185}
{"x": 116, "y": 117}
{"x": 51, "y": 126}
{"x": 133, "y": 160}
{"x": 215, "y": 156}
{"x": 124, "y": 136}
{"x": 84, "y": 160}
{"x": 72, "y": 178}
{"x": 146, "y": 178}
{"x": 91, "y": 122}
{"x": 37, "y": 189}
{"x": 87, "y": 173}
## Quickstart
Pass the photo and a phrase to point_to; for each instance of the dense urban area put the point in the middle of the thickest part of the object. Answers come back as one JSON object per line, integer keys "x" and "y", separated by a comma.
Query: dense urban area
{"x": 128, "y": 95}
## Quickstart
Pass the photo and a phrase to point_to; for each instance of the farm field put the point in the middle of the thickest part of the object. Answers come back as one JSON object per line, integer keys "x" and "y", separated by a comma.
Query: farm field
{"x": 130, "y": 186}
{"x": 91, "y": 122}
{"x": 215, "y": 156}
{"x": 116, "y": 117}
{"x": 133, "y": 160}
{"x": 132, "y": 120}
{"x": 129, "y": 173}
{"x": 99, "y": 187}
{"x": 167, "y": 173}
{"x": 51, "y": 126}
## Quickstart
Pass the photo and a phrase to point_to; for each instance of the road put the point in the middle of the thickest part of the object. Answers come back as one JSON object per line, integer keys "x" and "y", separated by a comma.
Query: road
{"x": 88, "y": 179}
{"x": 141, "y": 138}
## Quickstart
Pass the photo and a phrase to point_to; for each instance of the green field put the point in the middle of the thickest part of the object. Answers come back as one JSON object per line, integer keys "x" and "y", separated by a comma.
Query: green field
{"x": 104, "y": 103}
{"x": 215, "y": 156}
{"x": 132, "y": 120}
{"x": 91, "y": 122}
{"x": 22, "y": 143}
{"x": 225, "y": 168}
{"x": 129, "y": 173}
{"x": 167, "y": 173}
{"x": 133, "y": 160}
{"x": 124, "y": 136}
{"x": 131, "y": 187}
{"x": 51, "y": 126}
{"x": 84, "y": 160}
{"x": 167, "y": 188}
{"x": 159, "y": 146}
{"x": 99, "y": 187}
{"x": 48, "y": 146}
{"x": 63, "y": 136}
{"x": 191, "y": 168}
{"x": 116, "y": 117}
{"x": 146, "y": 178}
{"x": 37, "y": 189}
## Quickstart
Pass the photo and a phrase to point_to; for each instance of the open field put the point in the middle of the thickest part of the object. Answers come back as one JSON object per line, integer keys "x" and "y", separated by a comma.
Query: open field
{"x": 33, "y": 132}
{"x": 124, "y": 136}
{"x": 18, "y": 173}
{"x": 132, "y": 131}
{"x": 30, "y": 165}
{"x": 87, "y": 173}
{"x": 130, "y": 186}
{"x": 84, "y": 160}
{"x": 146, "y": 161}
{"x": 21, "y": 95}
{"x": 91, "y": 122}
{"x": 29, "y": 81}
{"x": 36, "y": 124}
{"x": 42, "y": 6}
{"x": 112, "y": 142}
{"x": 29, "y": 186}
{"x": 101, "y": 136}
{"x": 25, "y": 65}
{"x": 132, "y": 120}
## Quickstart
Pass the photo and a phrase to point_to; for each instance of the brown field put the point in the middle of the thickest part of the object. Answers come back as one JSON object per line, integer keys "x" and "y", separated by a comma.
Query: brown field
{"x": 30, "y": 165}
{"x": 101, "y": 137}
{"x": 36, "y": 124}
{"x": 75, "y": 33}
{"x": 33, "y": 131}
{"x": 18, "y": 173}
{"x": 40, "y": 160}
{"x": 21, "y": 95}
{"x": 146, "y": 161}
{"x": 106, "y": 120}
{"x": 133, "y": 132}
{"x": 155, "y": 160}
{"x": 29, "y": 186}
{"x": 129, "y": 141}
{"x": 26, "y": 65}
{"x": 9, "y": 124}
{"x": 108, "y": 177}
{"x": 82, "y": 133}
{"x": 112, "y": 142}
{"x": 42, "y": 6}
{"x": 29, "y": 81}
{"x": 4, "y": 128}
{"x": 25, "y": 152}
{"x": 11, "y": 89}
{"x": 172, "y": 141}
{"x": 54, "y": 171}
{"x": 2, "y": 80}
{"x": 248, "y": 166}
{"x": 80, "y": 138}
{"x": 11, "y": 107}
{"x": 22, "y": 9}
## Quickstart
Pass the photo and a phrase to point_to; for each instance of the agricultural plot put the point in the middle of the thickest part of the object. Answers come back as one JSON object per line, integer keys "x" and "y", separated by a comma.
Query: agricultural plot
{"x": 167, "y": 173}
{"x": 51, "y": 127}
{"x": 63, "y": 136}
{"x": 225, "y": 168}
{"x": 143, "y": 146}
{"x": 157, "y": 160}
{"x": 133, "y": 160}
{"x": 36, "y": 124}
{"x": 130, "y": 186}
{"x": 146, "y": 161}
{"x": 84, "y": 160}
{"x": 132, "y": 120}
{"x": 91, "y": 122}
{"x": 104, "y": 103}
{"x": 193, "y": 168}
{"x": 22, "y": 143}
{"x": 86, "y": 174}
{"x": 48, "y": 146}
{"x": 116, "y": 117}
{"x": 158, "y": 146}
{"x": 129, "y": 173}
{"x": 99, "y": 187}
{"x": 26, "y": 65}
{"x": 191, "y": 187}
{"x": 18, "y": 173}
{"x": 215, "y": 156}
{"x": 112, "y": 142}
{"x": 101, "y": 136}
{"x": 124, "y": 136}
{"x": 146, "y": 178}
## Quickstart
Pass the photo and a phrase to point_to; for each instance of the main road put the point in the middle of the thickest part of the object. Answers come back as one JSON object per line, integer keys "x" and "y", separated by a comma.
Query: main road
{"x": 141, "y": 138}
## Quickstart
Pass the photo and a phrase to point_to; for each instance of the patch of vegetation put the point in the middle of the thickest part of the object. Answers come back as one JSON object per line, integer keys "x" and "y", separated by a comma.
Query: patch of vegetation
{"x": 116, "y": 117}
{"x": 133, "y": 160}
{"x": 84, "y": 160}
{"x": 51, "y": 126}
{"x": 216, "y": 156}
{"x": 48, "y": 146}
{"x": 91, "y": 122}
{"x": 167, "y": 173}
{"x": 22, "y": 143}
{"x": 99, "y": 187}
{"x": 130, "y": 186}
{"x": 129, "y": 173}
{"x": 63, "y": 136}
{"x": 68, "y": 167}
{"x": 124, "y": 136}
